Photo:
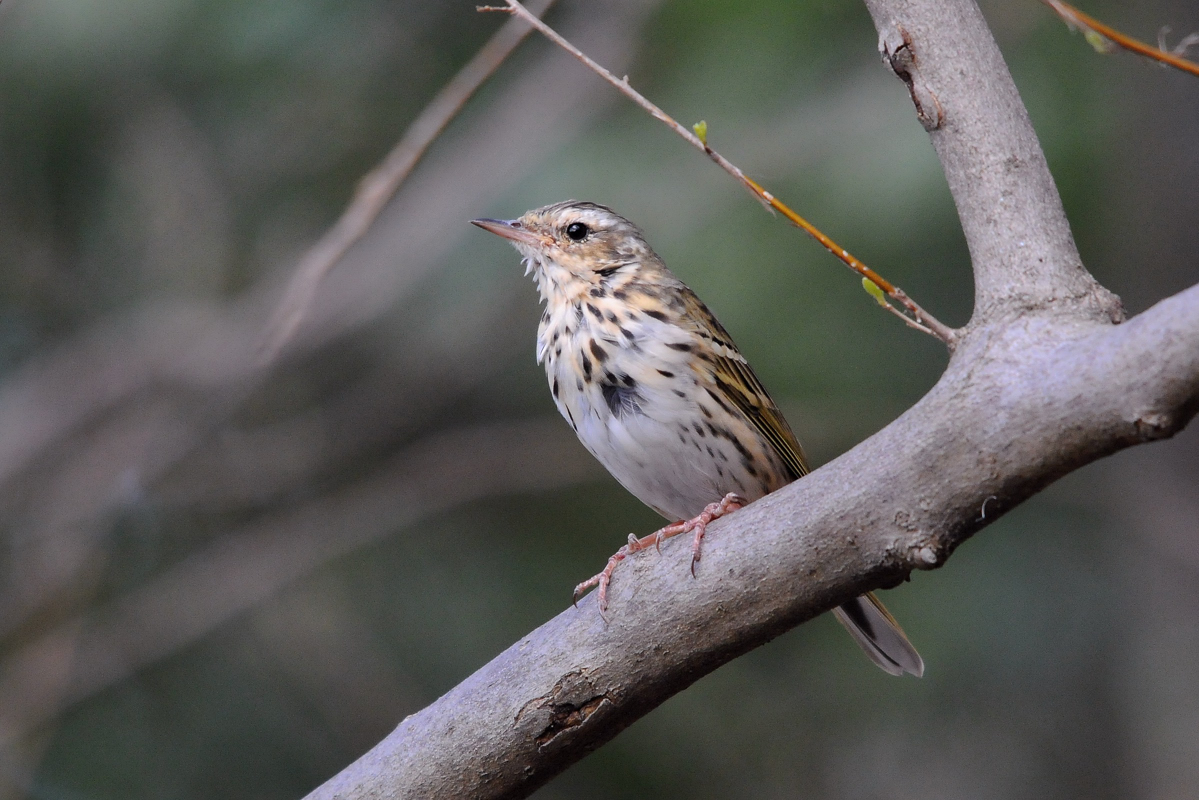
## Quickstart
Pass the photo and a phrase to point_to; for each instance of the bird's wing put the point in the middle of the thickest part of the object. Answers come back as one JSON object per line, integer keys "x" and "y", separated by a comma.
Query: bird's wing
{"x": 736, "y": 381}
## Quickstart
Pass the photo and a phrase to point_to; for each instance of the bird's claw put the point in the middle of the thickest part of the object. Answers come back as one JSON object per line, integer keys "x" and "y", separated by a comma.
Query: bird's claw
{"x": 698, "y": 524}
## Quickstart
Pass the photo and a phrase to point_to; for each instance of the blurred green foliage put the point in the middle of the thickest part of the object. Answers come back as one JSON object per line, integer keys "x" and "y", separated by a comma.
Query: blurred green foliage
{"x": 192, "y": 149}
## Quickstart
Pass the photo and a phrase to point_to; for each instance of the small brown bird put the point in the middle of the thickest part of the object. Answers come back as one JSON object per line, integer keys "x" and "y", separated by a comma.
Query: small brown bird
{"x": 657, "y": 391}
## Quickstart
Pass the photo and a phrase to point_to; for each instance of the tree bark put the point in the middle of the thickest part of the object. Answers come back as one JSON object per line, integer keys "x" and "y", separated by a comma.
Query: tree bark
{"x": 1044, "y": 379}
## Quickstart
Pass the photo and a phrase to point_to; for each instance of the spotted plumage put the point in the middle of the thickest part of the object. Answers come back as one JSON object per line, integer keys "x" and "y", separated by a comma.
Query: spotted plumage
{"x": 658, "y": 392}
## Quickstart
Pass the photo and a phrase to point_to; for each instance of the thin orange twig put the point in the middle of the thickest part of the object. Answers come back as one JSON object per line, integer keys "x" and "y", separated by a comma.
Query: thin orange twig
{"x": 1089, "y": 24}
{"x": 381, "y": 183}
{"x": 918, "y": 319}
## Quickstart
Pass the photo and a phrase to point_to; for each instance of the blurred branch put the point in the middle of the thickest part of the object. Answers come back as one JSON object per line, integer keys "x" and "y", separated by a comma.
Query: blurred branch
{"x": 147, "y": 454}
{"x": 105, "y": 473}
{"x": 1104, "y": 38}
{"x": 920, "y": 319}
{"x": 381, "y": 183}
{"x": 211, "y": 346}
{"x": 199, "y": 359}
{"x": 251, "y": 466}
{"x": 196, "y": 365}
{"x": 88, "y": 654}
{"x": 1041, "y": 383}
{"x": 90, "y": 430}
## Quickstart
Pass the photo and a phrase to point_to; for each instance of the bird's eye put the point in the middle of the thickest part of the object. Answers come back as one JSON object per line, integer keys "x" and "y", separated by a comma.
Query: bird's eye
{"x": 577, "y": 231}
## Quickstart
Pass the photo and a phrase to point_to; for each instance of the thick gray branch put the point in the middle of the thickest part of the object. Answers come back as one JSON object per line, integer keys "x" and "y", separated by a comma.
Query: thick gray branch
{"x": 1021, "y": 248}
{"x": 1019, "y": 406}
{"x": 1040, "y": 384}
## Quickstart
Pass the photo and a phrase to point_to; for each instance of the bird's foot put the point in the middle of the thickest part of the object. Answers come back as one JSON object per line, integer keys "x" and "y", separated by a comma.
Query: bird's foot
{"x": 698, "y": 524}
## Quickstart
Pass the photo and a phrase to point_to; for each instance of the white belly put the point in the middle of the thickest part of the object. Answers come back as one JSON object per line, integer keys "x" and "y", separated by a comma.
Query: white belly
{"x": 669, "y": 471}
{"x": 657, "y": 444}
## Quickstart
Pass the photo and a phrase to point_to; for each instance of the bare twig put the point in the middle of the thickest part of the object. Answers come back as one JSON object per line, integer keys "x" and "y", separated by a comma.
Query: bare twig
{"x": 1184, "y": 44}
{"x": 1099, "y": 34}
{"x": 918, "y": 319}
{"x": 381, "y": 183}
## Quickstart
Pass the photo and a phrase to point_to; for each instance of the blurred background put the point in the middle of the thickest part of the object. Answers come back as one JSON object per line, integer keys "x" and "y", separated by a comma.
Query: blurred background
{"x": 220, "y": 578}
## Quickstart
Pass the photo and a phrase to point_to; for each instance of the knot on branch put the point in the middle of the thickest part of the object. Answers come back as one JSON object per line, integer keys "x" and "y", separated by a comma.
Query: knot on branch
{"x": 918, "y": 549}
{"x": 895, "y": 46}
{"x": 564, "y": 709}
{"x": 566, "y": 716}
{"x": 1151, "y": 426}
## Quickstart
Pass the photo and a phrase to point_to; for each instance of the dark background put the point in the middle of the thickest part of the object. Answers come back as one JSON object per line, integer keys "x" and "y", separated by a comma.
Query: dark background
{"x": 219, "y": 579}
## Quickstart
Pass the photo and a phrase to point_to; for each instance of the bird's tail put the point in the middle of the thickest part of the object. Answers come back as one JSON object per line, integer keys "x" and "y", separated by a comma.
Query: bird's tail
{"x": 877, "y": 632}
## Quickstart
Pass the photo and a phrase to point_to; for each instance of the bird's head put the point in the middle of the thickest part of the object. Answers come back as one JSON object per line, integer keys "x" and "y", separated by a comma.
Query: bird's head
{"x": 576, "y": 241}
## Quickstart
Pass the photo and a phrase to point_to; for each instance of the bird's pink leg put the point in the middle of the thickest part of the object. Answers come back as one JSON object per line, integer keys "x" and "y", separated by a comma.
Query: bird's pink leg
{"x": 699, "y": 524}
{"x": 635, "y": 545}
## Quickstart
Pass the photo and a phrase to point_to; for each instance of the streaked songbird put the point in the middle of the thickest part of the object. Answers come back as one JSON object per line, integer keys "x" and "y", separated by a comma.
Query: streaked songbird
{"x": 657, "y": 391}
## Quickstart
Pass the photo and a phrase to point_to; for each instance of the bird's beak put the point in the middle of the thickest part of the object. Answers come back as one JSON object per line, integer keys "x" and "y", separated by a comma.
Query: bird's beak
{"x": 510, "y": 229}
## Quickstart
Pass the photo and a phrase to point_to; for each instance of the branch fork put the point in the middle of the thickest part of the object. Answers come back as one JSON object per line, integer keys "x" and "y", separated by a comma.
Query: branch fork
{"x": 1041, "y": 382}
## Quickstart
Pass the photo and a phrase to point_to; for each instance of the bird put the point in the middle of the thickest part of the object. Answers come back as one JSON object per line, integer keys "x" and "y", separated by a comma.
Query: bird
{"x": 657, "y": 391}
